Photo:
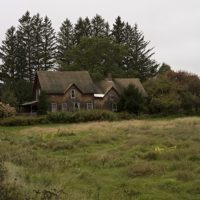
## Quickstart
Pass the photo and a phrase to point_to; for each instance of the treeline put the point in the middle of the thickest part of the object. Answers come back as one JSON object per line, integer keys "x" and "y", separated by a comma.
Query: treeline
{"x": 100, "y": 48}
{"x": 89, "y": 44}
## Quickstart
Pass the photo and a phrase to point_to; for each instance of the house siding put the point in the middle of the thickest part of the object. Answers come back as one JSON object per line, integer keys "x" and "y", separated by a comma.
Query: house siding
{"x": 81, "y": 98}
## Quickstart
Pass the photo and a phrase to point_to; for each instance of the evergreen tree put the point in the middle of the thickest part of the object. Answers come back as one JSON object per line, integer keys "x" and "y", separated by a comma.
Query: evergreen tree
{"x": 65, "y": 39}
{"x": 37, "y": 42}
{"x": 42, "y": 104}
{"x": 118, "y": 30}
{"x": 100, "y": 28}
{"x": 139, "y": 61}
{"x": 21, "y": 61}
{"x": 131, "y": 100}
{"x": 7, "y": 55}
{"x": 26, "y": 35}
{"x": 49, "y": 45}
{"x": 82, "y": 29}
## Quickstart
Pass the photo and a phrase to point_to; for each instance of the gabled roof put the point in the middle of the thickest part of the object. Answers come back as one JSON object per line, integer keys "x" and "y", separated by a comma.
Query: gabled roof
{"x": 119, "y": 84}
{"x": 54, "y": 82}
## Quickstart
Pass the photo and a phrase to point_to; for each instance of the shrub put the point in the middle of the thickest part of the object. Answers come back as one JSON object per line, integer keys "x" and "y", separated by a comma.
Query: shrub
{"x": 142, "y": 169}
{"x": 6, "y": 110}
{"x": 23, "y": 121}
{"x": 42, "y": 104}
{"x": 82, "y": 116}
{"x": 131, "y": 100}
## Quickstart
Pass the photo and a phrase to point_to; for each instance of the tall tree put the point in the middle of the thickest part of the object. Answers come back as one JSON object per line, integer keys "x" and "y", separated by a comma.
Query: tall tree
{"x": 118, "y": 30}
{"x": 37, "y": 42}
{"x": 82, "y": 29}
{"x": 65, "y": 38}
{"x": 26, "y": 34}
{"x": 97, "y": 55}
{"x": 49, "y": 45}
{"x": 7, "y": 55}
{"x": 139, "y": 62}
{"x": 100, "y": 28}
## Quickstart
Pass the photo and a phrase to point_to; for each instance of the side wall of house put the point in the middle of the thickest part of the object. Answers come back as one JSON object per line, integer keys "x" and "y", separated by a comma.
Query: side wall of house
{"x": 107, "y": 101}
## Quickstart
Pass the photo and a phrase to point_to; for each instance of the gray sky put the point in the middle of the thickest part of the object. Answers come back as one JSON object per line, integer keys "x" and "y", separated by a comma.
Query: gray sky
{"x": 172, "y": 26}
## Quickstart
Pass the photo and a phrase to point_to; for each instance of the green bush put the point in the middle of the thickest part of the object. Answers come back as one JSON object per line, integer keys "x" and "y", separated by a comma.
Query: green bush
{"x": 65, "y": 117}
{"x": 23, "y": 121}
{"x": 82, "y": 116}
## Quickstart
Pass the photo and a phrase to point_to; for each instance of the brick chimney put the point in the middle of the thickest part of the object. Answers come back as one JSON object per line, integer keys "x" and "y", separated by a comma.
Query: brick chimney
{"x": 109, "y": 77}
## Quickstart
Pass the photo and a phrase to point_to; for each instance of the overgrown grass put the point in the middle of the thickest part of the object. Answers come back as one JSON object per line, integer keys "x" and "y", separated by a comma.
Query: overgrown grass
{"x": 135, "y": 159}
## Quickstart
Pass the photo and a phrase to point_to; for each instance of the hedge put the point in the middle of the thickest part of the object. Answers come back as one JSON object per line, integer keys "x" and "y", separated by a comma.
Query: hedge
{"x": 65, "y": 117}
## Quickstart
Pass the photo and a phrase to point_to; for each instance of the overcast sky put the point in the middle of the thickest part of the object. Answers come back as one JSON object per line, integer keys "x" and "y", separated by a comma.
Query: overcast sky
{"x": 172, "y": 26}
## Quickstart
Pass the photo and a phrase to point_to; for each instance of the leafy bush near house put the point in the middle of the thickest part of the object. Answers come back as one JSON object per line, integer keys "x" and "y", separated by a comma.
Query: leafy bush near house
{"x": 6, "y": 110}
{"x": 65, "y": 117}
{"x": 23, "y": 121}
{"x": 42, "y": 104}
{"x": 82, "y": 116}
{"x": 131, "y": 100}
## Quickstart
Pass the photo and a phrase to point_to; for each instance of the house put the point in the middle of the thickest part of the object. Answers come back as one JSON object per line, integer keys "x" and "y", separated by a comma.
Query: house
{"x": 72, "y": 90}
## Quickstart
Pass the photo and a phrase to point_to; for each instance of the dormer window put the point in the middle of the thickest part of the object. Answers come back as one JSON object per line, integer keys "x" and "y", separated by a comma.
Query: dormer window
{"x": 72, "y": 94}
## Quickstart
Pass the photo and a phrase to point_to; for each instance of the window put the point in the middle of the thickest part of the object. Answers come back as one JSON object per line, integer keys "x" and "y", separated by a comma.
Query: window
{"x": 114, "y": 107}
{"x": 64, "y": 106}
{"x": 72, "y": 94}
{"x": 54, "y": 107}
{"x": 112, "y": 96}
{"x": 76, "y": 106}
{"x": 89, "y": 106}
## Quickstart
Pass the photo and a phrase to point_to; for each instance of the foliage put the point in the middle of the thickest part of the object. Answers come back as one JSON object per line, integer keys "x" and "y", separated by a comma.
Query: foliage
{"x": 42, "y": 104}
{"x": 131, "y": 100}
{"x": 23, "y": 121}
{"x": 65, "y": 39}
{"x": 66, "y": 117}
{"x": 82, "y": 116}
{"x": 174, "y": 92}
{"x": 164, "y": 68}
{"x": 96, "y": 55}
{"x": 6, "y": 110}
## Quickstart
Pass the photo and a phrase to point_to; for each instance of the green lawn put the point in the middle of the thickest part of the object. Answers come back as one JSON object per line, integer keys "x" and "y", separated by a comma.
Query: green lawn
{"x": 136, "y": 159}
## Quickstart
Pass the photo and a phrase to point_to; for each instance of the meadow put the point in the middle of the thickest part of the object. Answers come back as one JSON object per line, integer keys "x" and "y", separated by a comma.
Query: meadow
{"x": 154, "y": 159}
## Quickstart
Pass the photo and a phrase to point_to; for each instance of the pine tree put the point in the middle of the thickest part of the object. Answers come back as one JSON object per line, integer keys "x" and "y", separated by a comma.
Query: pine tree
{"x": 37, "y": 42}
{"x": 21, "y": 61}
{"x": 139, "y": 61}
{"x": 100, "y": 28}
{"x": 7, "y": 55}
{"x": 118, "y": 30}
{"x": 65, "y": 39}
{"x": 49, "y": 45}
{"x": 82, "y": 29}
{"x": 26, "y": 35}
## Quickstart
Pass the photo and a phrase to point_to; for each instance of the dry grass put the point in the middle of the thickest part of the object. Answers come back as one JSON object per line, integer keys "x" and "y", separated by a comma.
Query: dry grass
{"x": 134, "y": 159}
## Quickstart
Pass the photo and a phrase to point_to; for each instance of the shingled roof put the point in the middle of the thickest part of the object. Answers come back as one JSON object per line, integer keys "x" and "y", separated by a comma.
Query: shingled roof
{"x": 54, "y": 82}
{"x": 102, "y": 87}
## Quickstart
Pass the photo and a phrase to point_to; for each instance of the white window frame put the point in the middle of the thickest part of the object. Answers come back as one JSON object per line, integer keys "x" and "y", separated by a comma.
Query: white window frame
{"x": 54, "y": 107}
{"x": 114, "y": 107}
{"x": 89, "y": 106}
{"x": 64, "y": 106}
{"x": 78, "y": 104}
{"x": 73, "y": 91}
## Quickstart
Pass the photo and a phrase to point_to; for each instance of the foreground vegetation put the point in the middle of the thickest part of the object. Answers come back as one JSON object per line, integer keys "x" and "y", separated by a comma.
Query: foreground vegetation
{"x": 135, "y": 159}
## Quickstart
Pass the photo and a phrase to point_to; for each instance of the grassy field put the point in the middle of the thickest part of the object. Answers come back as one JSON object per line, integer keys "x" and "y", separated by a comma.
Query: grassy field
{"x": 136, "y": 159}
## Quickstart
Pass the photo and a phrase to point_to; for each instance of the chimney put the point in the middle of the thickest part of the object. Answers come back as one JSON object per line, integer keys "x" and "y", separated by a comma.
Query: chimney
{"x": 109, "y": 77}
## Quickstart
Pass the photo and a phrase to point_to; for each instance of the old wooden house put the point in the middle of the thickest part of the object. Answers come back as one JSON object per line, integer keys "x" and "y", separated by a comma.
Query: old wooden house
{"x": 72, "y": 90}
